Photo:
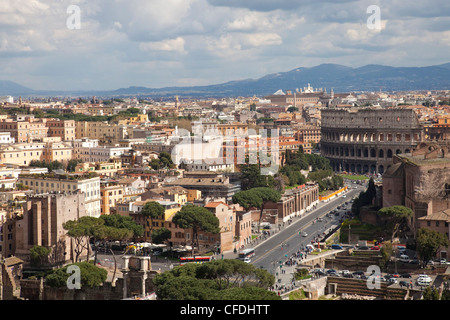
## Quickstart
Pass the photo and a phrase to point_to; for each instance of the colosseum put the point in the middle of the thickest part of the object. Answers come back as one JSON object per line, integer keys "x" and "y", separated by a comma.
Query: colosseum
{"x": 365, "y": 140}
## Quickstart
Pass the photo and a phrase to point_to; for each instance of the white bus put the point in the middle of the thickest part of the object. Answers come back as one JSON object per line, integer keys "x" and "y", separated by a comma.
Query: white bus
{"x": 246, "y": 254}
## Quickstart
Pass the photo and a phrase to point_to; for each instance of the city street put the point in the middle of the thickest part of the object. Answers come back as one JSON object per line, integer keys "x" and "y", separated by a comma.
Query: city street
{"x": 279, "y": 246}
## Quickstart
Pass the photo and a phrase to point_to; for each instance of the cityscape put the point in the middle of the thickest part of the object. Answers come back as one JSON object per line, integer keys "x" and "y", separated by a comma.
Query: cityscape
{"x": 327, "y": 182}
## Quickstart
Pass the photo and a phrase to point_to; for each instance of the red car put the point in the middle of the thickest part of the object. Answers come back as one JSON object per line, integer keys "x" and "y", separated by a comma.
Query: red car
{"x": 375, "y": 248}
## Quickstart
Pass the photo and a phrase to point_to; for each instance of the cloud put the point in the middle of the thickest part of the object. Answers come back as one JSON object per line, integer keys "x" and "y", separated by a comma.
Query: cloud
{"x": 164, "y": 45}
{"x": 161, "y": 42}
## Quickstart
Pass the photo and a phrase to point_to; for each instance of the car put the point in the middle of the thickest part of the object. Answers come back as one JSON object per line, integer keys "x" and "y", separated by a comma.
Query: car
{"x": 404, "y": 258}
{"x": 333, "y": 274}
{"x": 375, "y": 248}
{"x": 304, "y": 234}
{"x": 395, "y": 275}
{"x": 405, "y": 275}
{"x": 318, "y": 272}
{"x": 423, "y": 280}
{"x": 336, "y": 247}
{"x": 430, "y": 263}
{"x": 414, "y": 261}
{"x": 363, "y": 248}
{"x": 320, "y": 219}
{"x": 443, "y": 261}
{"x": 392, "y": 280}
{"x": 358, "y": 274}
{"x": 247, "y": 260}
{"x": 403, "y": 283}
{"x": 347, "y": 275}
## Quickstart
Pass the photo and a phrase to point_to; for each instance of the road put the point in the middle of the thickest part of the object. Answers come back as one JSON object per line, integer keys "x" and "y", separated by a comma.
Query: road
{"x": 288, "y": 240}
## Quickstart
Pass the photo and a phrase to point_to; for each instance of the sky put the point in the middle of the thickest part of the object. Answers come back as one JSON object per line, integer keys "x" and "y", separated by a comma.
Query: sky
{"x": 111, "y": 44}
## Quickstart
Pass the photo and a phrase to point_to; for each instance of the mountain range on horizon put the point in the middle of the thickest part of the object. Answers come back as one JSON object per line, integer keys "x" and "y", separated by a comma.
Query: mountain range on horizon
{"x": 340, "y": 78}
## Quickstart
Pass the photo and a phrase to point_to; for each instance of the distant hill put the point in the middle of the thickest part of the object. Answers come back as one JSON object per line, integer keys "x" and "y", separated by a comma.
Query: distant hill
{"x": 341, "y": 78}
{"x": 11, "y": 88}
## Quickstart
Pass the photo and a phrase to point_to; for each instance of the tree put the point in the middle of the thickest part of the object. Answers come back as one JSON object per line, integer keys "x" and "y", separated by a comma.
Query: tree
{"x": 197, "y": 219}
{"x": 398, "y": 216}
{"x": 91, "y": 276}
{"x": 256, "y": 198}
{"x": 39, "y": 256}
{"x": 152, "y": 210}
{"x": 160, "y": 235}
{"x": 79, "y": 235}
{"x": 71, "y": 164}
{"x": 228, "y": 279}
{"x": 428, "y": 242}
{"x": 251, "y": 177}
{"x": 430, "y": 294}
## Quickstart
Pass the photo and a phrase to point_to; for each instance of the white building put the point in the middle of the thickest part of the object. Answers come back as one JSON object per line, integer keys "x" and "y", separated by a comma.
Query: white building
{"x": 5, "y": 137}
{"x": 88, "y": 150}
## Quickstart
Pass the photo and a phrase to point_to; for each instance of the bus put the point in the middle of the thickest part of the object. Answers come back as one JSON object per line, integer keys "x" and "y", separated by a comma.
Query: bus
{"x": 196, "y": 259}
{"x": 246, "y": 254}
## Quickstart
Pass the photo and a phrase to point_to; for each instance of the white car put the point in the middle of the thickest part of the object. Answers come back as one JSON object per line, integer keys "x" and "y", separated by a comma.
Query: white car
{"x": 247, "y": 260}
{"x": 423, "y": 280}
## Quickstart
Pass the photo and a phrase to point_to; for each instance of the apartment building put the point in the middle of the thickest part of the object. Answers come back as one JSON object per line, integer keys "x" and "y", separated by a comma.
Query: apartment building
{"x": 23, "y": 153}
{"x": 24, "y": 131}
{"x": 50, "y": 183}
{"x": 89, "y": 150}
{"x": 105, "y": 132}
{"x": 227, "y": 221}
{"x": 111, "y": 195}
{"x": 65, "y": 129}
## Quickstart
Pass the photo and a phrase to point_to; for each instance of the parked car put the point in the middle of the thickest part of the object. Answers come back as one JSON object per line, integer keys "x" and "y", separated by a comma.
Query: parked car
{"x": 392, "y": 280}
{"x": 403, "y": 283}
{"x": 404, "y": 258}
{"x": 363, "y": 248}
{"x": 375, "y": 248}
{"x": 423, "y": 280}
{"x": 405, "y": 275}
{"x": 359, "y": 275}
{"x": 336, "y": 246}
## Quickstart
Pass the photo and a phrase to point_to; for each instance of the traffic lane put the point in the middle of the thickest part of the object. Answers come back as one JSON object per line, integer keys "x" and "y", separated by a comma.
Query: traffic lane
{"x": 272, "y": 249}
{"x": 305, "y": 224}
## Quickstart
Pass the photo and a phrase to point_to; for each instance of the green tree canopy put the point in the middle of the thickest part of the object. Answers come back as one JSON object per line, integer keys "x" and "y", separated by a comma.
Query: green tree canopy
{"x": 198, "y": 219}
{"x": 228, "y": 279}
{"x": 91, "y": 276}
{"x": 256, "y": 198}
{"x": 398, "y": 217}
{"x": 161, "y": 235}
{"x": 152, "y": 210}
{"x": 39, "y": 256}
{"x": 428, "y": 243}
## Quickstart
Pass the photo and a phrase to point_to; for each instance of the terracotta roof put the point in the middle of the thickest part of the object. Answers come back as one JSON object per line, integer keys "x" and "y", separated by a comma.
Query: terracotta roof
{"x": 441, "y": 216}
{"x": 214, "y": 204}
